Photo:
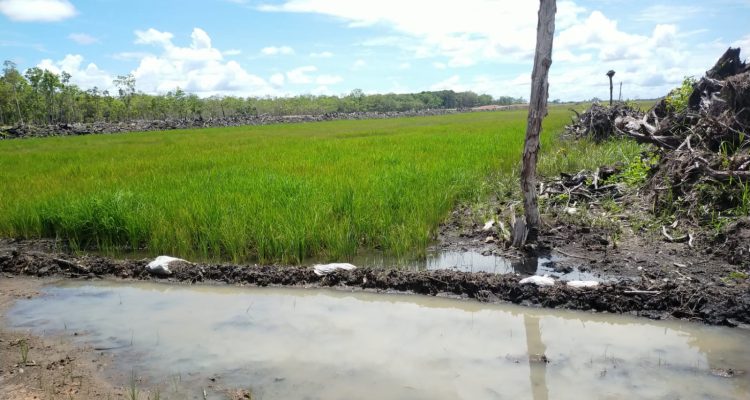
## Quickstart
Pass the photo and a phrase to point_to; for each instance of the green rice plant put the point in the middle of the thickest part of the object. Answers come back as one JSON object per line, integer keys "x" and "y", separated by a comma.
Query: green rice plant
{"x": 23, "y": 348}
{"x": 279, "y": 193}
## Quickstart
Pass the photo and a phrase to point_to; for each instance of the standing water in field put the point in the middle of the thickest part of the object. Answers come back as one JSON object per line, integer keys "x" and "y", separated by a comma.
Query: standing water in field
{"x": 325, "y": 344}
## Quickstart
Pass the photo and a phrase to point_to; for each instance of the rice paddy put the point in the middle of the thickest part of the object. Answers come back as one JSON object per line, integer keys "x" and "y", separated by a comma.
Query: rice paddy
{"x": 276, "y": 193}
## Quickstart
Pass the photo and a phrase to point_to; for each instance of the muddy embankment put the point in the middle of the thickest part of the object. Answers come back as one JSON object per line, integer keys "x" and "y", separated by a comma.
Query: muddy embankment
{"x": 73, "y": 129}
{"x": 652, "y": 298}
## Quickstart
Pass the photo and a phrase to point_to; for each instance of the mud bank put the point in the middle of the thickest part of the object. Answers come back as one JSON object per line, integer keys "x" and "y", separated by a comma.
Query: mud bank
{"x": 646, "y": 296}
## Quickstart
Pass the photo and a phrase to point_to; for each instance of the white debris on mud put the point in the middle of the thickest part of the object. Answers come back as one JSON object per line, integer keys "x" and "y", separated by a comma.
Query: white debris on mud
{"x": 325, "y": 269}
{"x": 488, "y": 225}
{"x": 160, "y": 265}
{"x": 538, "y": 280}
{"x": 582, "y": 284}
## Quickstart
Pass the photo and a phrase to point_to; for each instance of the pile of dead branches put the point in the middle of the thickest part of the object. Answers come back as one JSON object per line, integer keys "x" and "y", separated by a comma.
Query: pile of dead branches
{"x": 598, "y": 122}
{"x": 707, "y": 142}
{"x": 584, "y": 186}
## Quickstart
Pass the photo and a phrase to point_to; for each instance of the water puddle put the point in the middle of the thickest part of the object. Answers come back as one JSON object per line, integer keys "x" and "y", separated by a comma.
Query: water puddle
{"x": 325, "y": 344}
{"x": 472, "y": 261}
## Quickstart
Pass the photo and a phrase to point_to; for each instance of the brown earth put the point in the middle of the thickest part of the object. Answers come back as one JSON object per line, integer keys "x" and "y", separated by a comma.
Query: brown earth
{"x": 54, "y": 368}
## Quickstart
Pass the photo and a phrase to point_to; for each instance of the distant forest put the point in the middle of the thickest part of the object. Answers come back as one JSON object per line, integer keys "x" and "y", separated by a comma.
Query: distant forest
{"x": 42, "y": 97}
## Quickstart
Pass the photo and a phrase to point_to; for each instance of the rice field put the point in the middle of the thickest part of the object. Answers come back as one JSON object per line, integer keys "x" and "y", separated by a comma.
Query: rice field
{"x": 277, "y": 193}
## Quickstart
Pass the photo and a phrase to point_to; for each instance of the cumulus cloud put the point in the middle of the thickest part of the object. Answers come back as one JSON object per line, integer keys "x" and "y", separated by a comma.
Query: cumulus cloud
{"x": 464, "y": 31}
{"x": 743, "y": 43}
{"x": 37, "y": 10}
{"x": 323, "y": 54}
{"x": 325, "y": 80}
{"x": 277, "y": 80}
{"x": 359, "y": 64}
{"x": 198, "y": 68}
{"x": 301, "y": 75}
{"x": 85, "y": 76}
{"x": 587, "y": 43}
{"x": 275, "y": 51}
{"x": 83, "y": 38}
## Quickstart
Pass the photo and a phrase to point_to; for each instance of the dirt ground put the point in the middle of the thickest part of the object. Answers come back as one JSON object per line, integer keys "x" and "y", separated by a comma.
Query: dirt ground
{"x": 54, "y": 367}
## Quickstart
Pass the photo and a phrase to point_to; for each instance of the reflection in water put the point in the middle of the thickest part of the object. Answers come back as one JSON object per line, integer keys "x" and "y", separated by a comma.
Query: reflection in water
{"x": 321, "y": 344}
{"x": 537, "y": 352}
{"x": 470, "y": 261}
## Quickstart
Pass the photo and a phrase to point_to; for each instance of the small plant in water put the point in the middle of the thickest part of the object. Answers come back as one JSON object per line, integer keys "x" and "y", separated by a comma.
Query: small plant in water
{"x": 133, "y": 387}
{"x": 23, "y": 348}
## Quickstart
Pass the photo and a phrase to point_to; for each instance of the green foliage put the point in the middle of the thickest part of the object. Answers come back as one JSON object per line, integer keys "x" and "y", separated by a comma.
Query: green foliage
{"x": 738, "y": 275}
{"x": 267, "y": 193}
{"x": 42, "y": 96}
{"x": 677, "y": 99}
{"x": 637, "y": 169}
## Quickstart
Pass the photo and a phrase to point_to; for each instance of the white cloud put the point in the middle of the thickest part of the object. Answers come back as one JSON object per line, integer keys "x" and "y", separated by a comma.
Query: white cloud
{"x": 277, "y": 80}
{"x": 662, "y": 13}
{"x": 322, "y": 90}
{"x": 451, "y": 83}
{"x": 324, "y": 80}
{"x": 152, "y": 36}
{"x": 465, "y": 32}
{"x": 199, "y": 68}
{"x": 275, "y": 51}
{"x": 404, "y": 65}
{"x": 587, "y": 42}
{"x": 323, "y": 54}
{"x": 84, "y": 76}
{"x": 482, "y": 84}
{"x": 130, "y": 55}
{"x": 232, "y": 52}
{"x": 359, "y": 64}
{"x": 300, "y": 75}
{"x": 83, "y": 38}
{"x": 37, "y": 10}
{"x": 743, "y": 43}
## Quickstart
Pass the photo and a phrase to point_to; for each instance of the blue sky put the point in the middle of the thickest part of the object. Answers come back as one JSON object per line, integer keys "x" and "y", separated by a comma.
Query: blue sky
{"x": 290, "y": 47}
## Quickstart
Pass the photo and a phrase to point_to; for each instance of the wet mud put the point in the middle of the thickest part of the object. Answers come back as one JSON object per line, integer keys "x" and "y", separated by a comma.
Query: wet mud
{"x": 647, "y": 295}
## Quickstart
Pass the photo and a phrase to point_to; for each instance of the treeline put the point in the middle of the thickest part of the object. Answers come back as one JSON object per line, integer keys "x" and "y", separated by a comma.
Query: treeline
{"x": 43, "y": 97}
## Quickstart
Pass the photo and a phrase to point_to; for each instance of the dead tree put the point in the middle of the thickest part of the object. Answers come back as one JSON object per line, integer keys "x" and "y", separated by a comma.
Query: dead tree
{"x": 528, "y": 228}
{"x": 610, "y": 74}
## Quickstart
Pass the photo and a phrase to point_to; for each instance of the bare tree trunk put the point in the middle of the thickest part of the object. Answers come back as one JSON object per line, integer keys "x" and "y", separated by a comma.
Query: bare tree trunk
{"x": 18, "y": 105}
{"x": 537, "y": 112}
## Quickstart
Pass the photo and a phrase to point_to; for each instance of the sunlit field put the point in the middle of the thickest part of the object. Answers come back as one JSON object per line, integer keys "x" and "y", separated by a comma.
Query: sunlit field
{"x": 277, "y": 193}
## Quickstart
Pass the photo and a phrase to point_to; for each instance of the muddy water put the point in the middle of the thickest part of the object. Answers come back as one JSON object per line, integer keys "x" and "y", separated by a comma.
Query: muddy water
{"x": 322, "y": 344}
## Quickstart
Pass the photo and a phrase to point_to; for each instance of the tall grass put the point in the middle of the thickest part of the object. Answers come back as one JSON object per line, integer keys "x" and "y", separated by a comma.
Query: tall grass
{"x": 276, "y": 193}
